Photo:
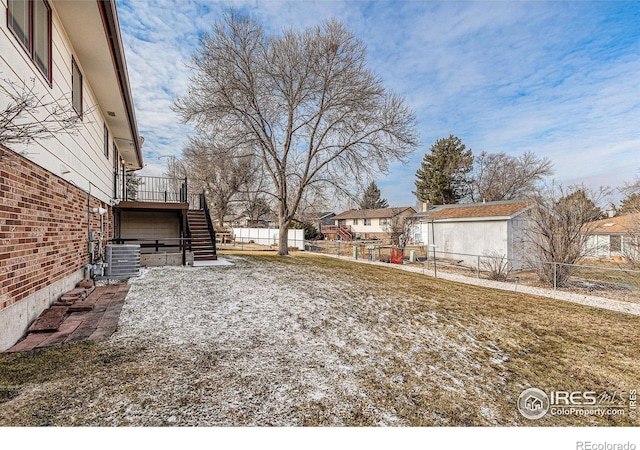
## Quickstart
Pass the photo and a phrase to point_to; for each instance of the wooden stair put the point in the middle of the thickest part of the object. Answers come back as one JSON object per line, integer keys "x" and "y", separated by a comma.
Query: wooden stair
{"x": 202, "y": 243}
{"x": 345, "y": 233}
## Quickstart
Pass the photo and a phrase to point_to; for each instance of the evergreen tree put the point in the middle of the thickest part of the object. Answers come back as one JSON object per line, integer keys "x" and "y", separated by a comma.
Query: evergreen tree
{"x": 630, "y": 204}
{"x": 580, "y": 200}
{"x": 372, "y": 198}
{"x": 444, "y": 176}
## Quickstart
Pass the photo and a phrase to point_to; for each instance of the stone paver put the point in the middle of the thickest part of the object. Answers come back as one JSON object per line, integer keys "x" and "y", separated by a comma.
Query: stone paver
{"x": 97, "y": 323}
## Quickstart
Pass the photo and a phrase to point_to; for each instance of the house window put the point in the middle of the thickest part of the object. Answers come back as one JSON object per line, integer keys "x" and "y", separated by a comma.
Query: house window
{"x": 76, "y": 88}
{"x": 355, "y": 221}
{"x": 106, "y": 141}
{"x": 367, "y": 221}
{"x": 383, "y": 221}
{"x": 30, "y": 22}
{"x": 615, "y": 243}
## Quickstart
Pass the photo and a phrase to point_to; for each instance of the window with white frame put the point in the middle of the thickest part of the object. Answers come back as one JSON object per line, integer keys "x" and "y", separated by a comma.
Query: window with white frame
{"x": 383, "y": 221}
{"x": 355, "y": 221}
{"x": 30, "y": 23}
{"x": 367, "y": 221}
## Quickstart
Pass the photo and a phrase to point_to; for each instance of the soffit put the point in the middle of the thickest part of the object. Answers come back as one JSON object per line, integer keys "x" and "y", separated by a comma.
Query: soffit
{"x": 83, "y": 24}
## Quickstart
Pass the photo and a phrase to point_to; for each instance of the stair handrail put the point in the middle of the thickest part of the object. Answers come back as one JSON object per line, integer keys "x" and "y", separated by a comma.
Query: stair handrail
{"x": 212, "y": 231}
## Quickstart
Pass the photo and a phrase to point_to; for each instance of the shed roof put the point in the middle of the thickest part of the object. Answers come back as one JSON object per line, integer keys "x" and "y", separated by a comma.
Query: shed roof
{"x": 475, "y": 210}
{"x": 380, "y": 213}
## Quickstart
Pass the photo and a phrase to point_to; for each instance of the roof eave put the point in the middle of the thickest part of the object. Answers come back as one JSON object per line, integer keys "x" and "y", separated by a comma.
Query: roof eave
{"x": 112, "y": 28}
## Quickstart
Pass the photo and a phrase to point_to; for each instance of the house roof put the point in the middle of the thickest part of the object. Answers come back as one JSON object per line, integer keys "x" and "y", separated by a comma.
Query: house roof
{"x": 620, "y": 224}
{"x": 475, "y": 210}
{"x": 380, "y": 213}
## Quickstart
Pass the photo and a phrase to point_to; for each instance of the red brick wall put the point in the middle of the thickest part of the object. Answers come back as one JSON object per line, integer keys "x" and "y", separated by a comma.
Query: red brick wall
{"x": 43, "y": 228}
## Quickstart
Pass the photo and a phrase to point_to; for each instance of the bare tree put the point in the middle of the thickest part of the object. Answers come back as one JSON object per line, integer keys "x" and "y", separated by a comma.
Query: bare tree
{"x": 223, "y": 176}
{"x": 257, "y": 209}
{"x": 559, "y": 228}
{"x": 302, "y": 102}
{"x": 26, "y": 115}
{"x": 498, "y": 176}
{"x": 400, "y": 228}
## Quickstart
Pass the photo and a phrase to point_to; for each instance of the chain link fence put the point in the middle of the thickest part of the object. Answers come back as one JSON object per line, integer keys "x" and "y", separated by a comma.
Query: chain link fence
{"x": 616, "y": 280}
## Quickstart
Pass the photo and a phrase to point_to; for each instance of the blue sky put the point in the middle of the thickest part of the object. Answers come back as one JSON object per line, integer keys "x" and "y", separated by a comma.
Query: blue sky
{"x": 561, "y": 79}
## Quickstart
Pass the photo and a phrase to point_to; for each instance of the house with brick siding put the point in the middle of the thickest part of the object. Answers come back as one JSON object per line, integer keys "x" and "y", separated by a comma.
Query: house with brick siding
{"x": 52, "y": 190}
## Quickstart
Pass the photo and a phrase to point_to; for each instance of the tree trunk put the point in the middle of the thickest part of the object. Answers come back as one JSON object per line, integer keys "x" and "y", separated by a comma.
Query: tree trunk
{"x": 283, "y": 237}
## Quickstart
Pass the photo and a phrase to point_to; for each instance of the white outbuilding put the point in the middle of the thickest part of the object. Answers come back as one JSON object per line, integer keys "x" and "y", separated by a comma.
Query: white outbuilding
{"x": 463, "y": 232}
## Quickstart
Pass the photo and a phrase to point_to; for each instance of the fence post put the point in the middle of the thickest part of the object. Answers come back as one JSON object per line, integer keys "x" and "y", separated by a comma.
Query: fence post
{"x": 478, "y": 267}
{"x": 555, "y": 272}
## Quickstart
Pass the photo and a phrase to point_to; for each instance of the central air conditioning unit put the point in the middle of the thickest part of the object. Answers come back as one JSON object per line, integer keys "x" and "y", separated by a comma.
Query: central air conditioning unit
{"x": 121, "y": 261}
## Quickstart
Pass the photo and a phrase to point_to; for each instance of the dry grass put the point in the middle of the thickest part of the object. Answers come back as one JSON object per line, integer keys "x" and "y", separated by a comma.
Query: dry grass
{"x": 337, "y": 344}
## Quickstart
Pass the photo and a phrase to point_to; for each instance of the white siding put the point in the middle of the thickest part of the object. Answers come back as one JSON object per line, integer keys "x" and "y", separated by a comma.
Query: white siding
{"x": 267, "y": 236}
{"x": 464, "y": 240}
{"x": 82, "y": 152}
{"x": 361, "y": 228}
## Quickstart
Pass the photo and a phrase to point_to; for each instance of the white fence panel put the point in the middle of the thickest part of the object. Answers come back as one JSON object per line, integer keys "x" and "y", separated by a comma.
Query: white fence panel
{"x": 267, "y": 236}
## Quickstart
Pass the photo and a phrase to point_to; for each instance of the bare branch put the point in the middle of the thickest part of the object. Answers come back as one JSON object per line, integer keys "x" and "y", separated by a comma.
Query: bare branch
{"x": 303, "y": 103}
{"x": 26, "y": 115}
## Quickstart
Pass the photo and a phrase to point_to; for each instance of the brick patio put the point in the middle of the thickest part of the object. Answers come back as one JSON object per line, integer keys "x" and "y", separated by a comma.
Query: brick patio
{"x": 91, "y": 319}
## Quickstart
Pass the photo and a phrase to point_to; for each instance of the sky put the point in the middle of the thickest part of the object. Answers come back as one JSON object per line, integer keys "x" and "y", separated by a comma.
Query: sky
{"x": 560, "y": 78}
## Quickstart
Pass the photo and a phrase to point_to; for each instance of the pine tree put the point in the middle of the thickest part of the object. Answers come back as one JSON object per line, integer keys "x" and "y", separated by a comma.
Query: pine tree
{"x": 630, "y": 204}
{"x": 372, "y": 198}
{"x": 443, "y": 177}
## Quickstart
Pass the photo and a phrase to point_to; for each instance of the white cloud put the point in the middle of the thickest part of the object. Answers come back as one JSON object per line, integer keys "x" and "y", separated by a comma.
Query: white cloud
{"x": 557, "y": 78}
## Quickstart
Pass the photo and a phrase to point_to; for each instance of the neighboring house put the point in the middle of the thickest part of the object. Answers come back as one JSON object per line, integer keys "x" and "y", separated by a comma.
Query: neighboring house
{"x": 367, "y": 223}
{"x": 614, "y": 237}
{"x": 461, "y": 231}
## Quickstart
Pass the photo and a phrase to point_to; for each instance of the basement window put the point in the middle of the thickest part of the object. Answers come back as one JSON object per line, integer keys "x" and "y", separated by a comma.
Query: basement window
{"x": 30, "y": 23}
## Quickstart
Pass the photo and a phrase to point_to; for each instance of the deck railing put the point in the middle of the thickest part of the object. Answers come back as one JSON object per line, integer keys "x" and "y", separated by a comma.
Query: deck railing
{"x": 141, "y": 188}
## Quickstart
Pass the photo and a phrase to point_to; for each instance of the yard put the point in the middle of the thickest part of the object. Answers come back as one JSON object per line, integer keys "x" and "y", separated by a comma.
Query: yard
{"x": 316, "y": 341}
